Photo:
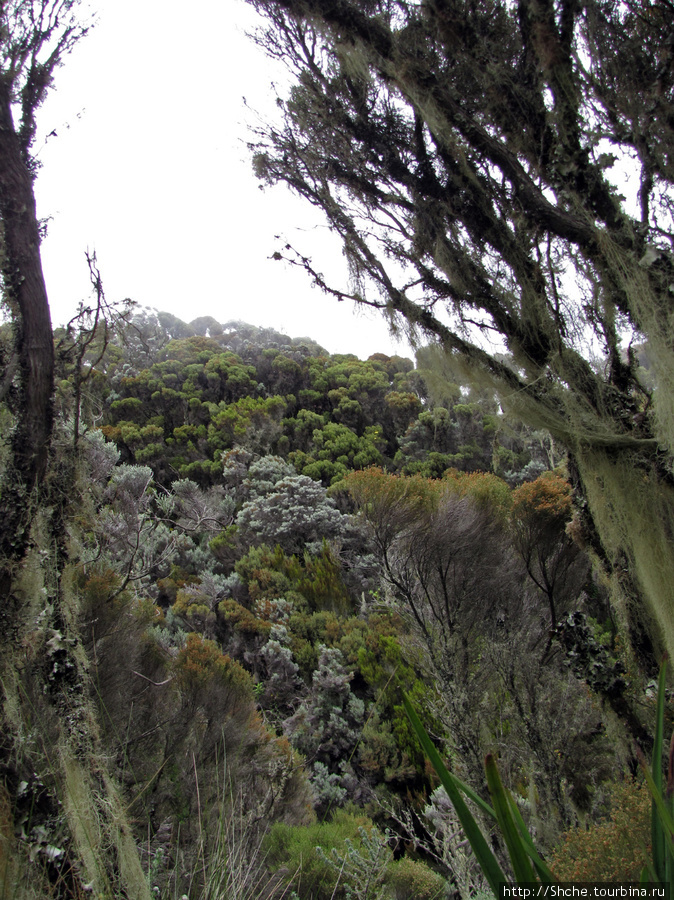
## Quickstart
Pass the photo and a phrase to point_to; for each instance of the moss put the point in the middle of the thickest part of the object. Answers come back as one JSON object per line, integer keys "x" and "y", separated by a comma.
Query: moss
{"x": 634, "y": 514}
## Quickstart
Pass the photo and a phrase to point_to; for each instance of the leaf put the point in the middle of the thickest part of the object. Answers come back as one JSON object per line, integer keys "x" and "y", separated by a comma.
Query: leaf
{"x": 665, "y": 819}
{"x": 486, "y": 859}
{"x": 657, "y": 834}
{"x": 477, "y": 800}
{"x": 519, "y": 856}
{"x": 540, "y": 865}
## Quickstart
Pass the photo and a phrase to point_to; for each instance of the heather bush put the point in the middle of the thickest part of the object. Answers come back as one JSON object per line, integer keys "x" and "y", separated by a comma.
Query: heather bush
{"x": 615, "y": 849}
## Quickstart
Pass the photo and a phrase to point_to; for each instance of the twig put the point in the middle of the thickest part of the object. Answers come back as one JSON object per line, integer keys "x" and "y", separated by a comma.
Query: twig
{"x": 155, "y": 683}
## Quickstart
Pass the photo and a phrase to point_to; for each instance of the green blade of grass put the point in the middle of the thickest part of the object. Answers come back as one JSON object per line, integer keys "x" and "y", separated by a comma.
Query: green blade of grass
{"x": 647, "y": 875}
{"x": 477, "y": 800}
{"x": 519, "y": 856}
{"x": 483, "y": 854}
{"x": 540, "y": 865}
{"x": 669, "y": 803}
{"x": 666, "y": 823}
{"x": 658, "y": 838}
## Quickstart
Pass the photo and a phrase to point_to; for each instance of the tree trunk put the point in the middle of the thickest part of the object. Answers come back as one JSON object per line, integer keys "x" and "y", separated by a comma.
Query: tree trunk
{"x": 43, "y": 671}
{"x": 26, "y": 296}
{"x": 633, "y": 509}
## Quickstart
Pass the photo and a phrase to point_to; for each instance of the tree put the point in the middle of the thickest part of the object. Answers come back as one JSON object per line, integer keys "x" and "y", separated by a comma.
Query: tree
{"x": 449, "y": 567}
{"x": 35, "y": 36}
{"x": 326, "y": 729}
{"x": 540, "y": 512}
{"x": 295, "y": 513}
{"x": 444, "y": 555}
{"x": 470, "y": 156}
{"x": 44, "y": 691}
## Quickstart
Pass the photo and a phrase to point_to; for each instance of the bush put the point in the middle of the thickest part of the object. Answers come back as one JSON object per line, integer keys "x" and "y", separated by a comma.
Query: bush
{"x": 613, "y": 850}
{"x": 201, "y": 668}
{"x": 411, "y": 879}
{"x": 292, "y": 850}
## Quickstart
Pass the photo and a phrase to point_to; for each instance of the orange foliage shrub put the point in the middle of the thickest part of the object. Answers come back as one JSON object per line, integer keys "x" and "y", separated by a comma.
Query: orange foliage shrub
{"x": 547, "y": 497}
{"x": 201, "y": 661}
{"x": 194, "y": 607}
{"x": 241, "y": 618}
{"x": 99, "y": 586}
{"x": 484, "y": 488}
{"x": 612, "y": 850}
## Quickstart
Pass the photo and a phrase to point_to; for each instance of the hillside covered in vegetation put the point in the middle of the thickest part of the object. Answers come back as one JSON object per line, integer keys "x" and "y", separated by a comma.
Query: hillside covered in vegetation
{"x": 243, "y": 581}
{"x": 267, "y": 545}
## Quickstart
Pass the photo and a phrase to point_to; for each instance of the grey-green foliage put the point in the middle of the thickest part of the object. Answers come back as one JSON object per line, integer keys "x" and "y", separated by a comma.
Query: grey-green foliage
{"x": 248, "y": 476}
{"x": 194, "y": 515}
{"x": 282, "y": 684}
{"x": 329, "y": 793}
{"x": 449, "y": 845}
{"x": 127, "y": 531}
{"x": 362, "y": 867}
{"x": 296, "y": 513}
{"x": 264, "y": 474}
{"x": 530, "y": 472}
{"x": 143, "y": 532}
{"x": 235, "y": 465}
{"x": 142, "y": 528}
{"x": 129, "y": 489}
{"x": 199, "y": 511}
{"x": 170, "y": 635}
{"x": 327, "y": 727}
{"x": 101, "y": 456}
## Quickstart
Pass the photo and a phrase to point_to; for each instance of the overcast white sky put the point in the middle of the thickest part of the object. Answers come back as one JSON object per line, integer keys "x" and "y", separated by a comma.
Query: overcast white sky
{"x": 149, "y": 168}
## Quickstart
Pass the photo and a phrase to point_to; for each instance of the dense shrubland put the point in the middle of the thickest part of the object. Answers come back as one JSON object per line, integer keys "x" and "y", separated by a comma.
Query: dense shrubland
{"x": 226, "y": 557}
{"x": 183, "y": 400}
{"x": 267, "y": 546}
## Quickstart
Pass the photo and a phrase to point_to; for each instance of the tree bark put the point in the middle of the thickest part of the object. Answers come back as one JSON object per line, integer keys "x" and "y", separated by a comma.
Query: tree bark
{"x": 26, "y": 296}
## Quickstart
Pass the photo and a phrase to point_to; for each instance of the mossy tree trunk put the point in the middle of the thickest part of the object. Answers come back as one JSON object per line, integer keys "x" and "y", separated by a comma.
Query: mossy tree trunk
{"x": 26, "y": 298}
{"x": 51, "y": 767}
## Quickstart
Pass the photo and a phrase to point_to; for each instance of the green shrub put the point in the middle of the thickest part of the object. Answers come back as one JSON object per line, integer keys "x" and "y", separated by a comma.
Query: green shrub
{"x": 291, "y": 850}
{"x": 411, "y": 879}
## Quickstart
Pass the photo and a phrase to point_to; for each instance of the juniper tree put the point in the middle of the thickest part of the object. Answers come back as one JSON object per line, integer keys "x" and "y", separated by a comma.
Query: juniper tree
{"x": 473, "y": 157}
